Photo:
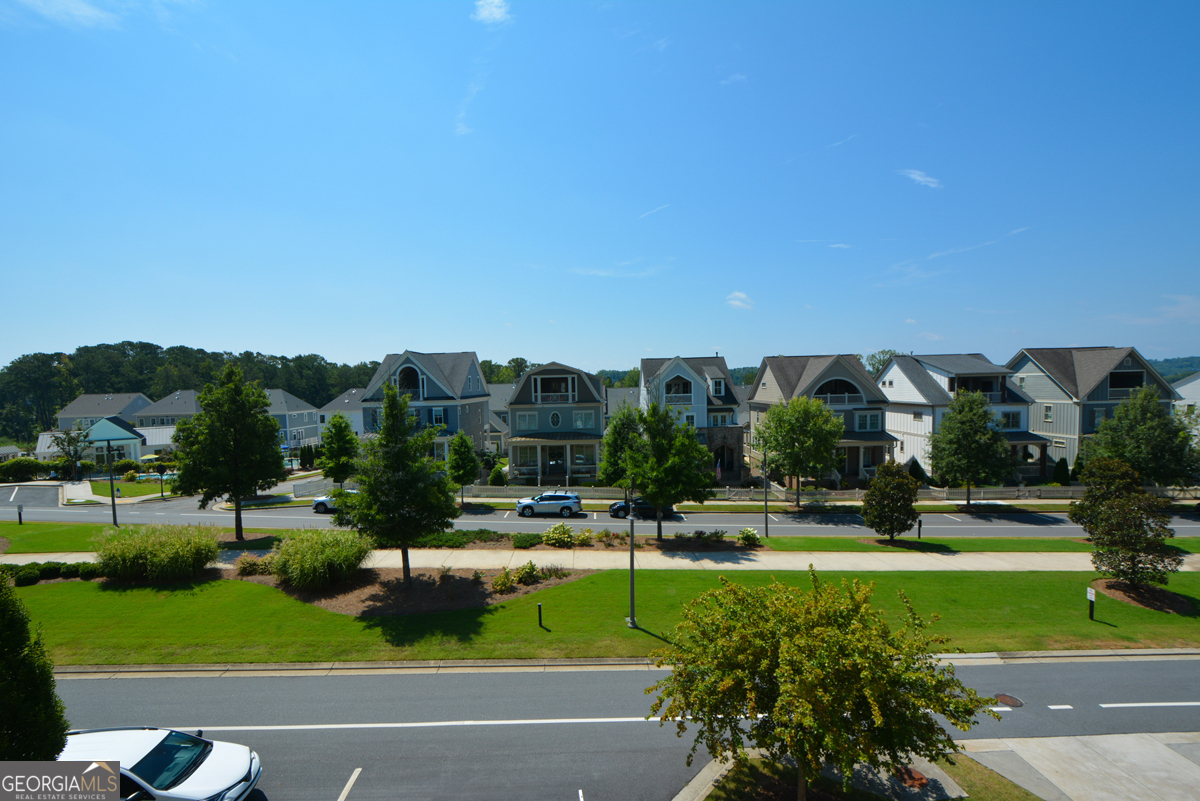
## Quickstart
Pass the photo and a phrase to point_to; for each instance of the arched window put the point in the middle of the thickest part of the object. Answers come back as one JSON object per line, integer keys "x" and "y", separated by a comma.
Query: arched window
{"x": 838, "y": 390}
{"x": 408, "y": 382}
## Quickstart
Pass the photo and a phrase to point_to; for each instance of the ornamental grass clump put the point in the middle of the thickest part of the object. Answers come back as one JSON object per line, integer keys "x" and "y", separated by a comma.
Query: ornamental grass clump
{"x": 560, "y": 535}
{"x": 156, "y": 553}
{"x": 314, "y": 560}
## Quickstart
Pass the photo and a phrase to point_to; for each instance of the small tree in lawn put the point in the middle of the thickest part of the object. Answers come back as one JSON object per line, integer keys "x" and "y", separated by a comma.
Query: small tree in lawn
{"x": 231, "y": 446}
{"x": 34, "y": 724}
{"x": 72, "y": 445}
{"x": 889, "y": 503}
{"x": 341, "y": 449}
{"x": 462, "y": 464}
{"x": 1128, "y": 527}
{"x": 817, "y": 676}
{"x": 1146, "y": 436}
{"x": 800, "y": 439}
{"x": 668, "y": 464}
{"x": 968, "y": 445}
{"x": 497, "y": 478}
{"x": 621, "y": 433}
{"x": 400, "y": 495}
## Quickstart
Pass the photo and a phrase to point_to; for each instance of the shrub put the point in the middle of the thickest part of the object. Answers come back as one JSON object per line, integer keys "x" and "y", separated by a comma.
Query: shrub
{"x": 127, "y": 466}
{"x": 445, "y": 573}
{"x": 23, "y": 469}
{"x": 526, "y": 540}
{"x": 554, "y": 571}
{"x": 156, "y": 553}
{"x": 247, "y": 565}
{"x": 266, "y": 565}
{"x": 749, "y": 537}
{"x": 497, "y": 478}
{"x": 526, "y": 573}
{"x": 313, "y": 560}
{"x": 584, "y": 538}
{"x": 27, "y": 575}
{"x": 560, "y": 535}
{"x": 89, "y": 571}
{"x": 1062, "y": 472}
{"x": 130, "y": 477}
{"x": 503, "y": 582}
{"x": 477, "y": 577}
{"x": 50, "y": 570}
{"x": 610, "y": 539}
{"x": 716, "y": 535}
{"x": 70, "y": 570}
{"x": 7, "y": 571}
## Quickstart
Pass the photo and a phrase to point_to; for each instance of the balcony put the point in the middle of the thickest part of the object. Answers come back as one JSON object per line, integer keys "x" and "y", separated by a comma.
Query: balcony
{"x": 554, "y": 397}
{"x": 839, "y": 400}
{"x": 679, "y": 400}
{"x": 1122, "y": 394}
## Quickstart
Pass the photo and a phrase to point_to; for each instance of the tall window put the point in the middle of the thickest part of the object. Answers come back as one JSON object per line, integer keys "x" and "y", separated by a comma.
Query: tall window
{"x": 721, "y": 419}
{"x": 527, "y": 421}
{"x": 690, "y": 419}
{"x": 585, "y": 420}
{"x": 868, "y": 421}
{"x": 679, "y": 386}
{"x": 1010, "y": 420}
{"x": 1048, "y": 413}
{"x": 718, "y": 387}
{"x": 439, "y": 416}
{"x": 583, "y": 455}
{"x": 527, "y": 456}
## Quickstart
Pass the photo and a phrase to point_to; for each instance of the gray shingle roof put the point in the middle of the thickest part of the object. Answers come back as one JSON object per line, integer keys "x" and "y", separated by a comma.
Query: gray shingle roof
{"x": 181, "y": 401}
{"x": 922, "y": 381}
{"x": 1078, "y": 370}
{"x": 348, "y": 401}
{"x": 101, "y": 404}
{"x": 706, "y": 366}
{"x": 797, "y": 374}
{"x": 964, "y": 364}
{"x": 501, "y": 394}
{"x": 284, "y": 402}
{"x": 622, "y": 396}
{"x": 448, "y": 369}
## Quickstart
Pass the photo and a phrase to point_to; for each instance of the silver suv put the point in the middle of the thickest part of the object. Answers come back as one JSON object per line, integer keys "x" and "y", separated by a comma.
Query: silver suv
{"x": 550, "y": 503}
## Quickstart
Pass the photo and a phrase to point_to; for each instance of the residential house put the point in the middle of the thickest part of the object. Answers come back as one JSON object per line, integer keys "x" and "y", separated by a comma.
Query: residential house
{"x": 298, "y": 421}
{"x": 444, "y": 389}
{"x": 349, "y": 403}
{"x": 497, "y": 429}
{"x": 919, "y": 391}
{"x": 87, "y": 410}
{"x": 128, "y": 442}
{"x": 841, "y": 383}
{"x": 1074, "y": 389}
{"x": 1188, "y": 390}
{"x": 700, "y": 391}
{"x": 556, "y": 422}
{"x": 182, "y": 404}
{"x": 616, "y": 397}
{"x": 9, "y": 452}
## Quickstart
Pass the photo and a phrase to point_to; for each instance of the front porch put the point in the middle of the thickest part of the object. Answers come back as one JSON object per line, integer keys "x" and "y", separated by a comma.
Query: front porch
{"x": 1029, "y": 454}
{"x": 555, "y": 459}
{"x": 725, "y": 443}
{"x": 862, "y": 452}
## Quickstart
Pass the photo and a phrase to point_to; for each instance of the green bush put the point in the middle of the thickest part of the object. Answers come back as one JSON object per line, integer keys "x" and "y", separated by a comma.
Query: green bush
{"x": 313, "y": 560}
{"x": 749, "y": 537}
{"x": 916, "y": 471}
{"x": 89, "y": 571}
{"x": 7, "y": 571}
{"x": 716, "y": 535}
{"x": 69, "y": 570}
{"x": 526, "y": 573}
{"x": 23, "y": 469}
{"x": 28, "y": 574}
{"x": 554, "y": 571}
{"x": 526, "y": 540}
{"x": 248, "y": 565}
{"x": 50, "y": 570}
{"x": 497, "y": 478}
{"x": 130, "y": 477}
{"x": 445, "y": 573}
{"x": 503, "y": 582}
{"x": 156, "y": 553}
{"x": 126, "y": 466}
{"x": 560, "y": 535}
{"x": 477, "y": 577}
{"x": 1062, "y": 472}
{"x": 584, "y": 538}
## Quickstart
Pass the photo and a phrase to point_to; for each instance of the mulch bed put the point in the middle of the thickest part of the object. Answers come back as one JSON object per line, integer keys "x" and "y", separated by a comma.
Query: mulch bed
{"x": 1147, "y": 597}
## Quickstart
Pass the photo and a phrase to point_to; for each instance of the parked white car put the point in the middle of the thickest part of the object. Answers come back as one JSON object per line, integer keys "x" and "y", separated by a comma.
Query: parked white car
{"x": 168, "y": 764}
{"x": 327, "y": 503}
{"x": 550, "y": 503}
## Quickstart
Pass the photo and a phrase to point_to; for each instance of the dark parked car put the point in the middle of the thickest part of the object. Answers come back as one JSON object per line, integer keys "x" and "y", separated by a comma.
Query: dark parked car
{"x": 641, "y": 508}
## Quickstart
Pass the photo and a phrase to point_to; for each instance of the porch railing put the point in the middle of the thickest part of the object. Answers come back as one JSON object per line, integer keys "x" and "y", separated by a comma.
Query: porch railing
{"x": 679, "y": 400}
{"x": 839, "y": 400}
{"x": 554, "y": 397}
{"x": 1121, "y": 394}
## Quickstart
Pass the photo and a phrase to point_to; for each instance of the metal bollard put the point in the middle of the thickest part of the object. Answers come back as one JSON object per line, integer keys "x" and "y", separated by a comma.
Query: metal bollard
{"x": 540, "y": 617}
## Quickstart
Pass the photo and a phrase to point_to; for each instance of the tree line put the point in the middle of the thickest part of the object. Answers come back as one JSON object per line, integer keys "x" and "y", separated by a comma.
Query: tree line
{"x": 35, "y": 386}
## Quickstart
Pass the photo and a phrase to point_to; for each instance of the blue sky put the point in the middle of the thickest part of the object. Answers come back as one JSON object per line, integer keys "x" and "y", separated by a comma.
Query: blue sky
{"x": 595, "y": 183}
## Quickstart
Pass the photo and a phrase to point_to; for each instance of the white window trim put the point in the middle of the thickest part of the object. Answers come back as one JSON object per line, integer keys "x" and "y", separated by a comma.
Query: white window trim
{"x": 1047, "y": 413}
{"x": 689, "y": 419}
{"x": 587, "y": 417}
{"x": 718, "y": 387}
{"x": 527, "y": 421}
{"x": 859, "y": 418}
{"x": 439, "y": 415}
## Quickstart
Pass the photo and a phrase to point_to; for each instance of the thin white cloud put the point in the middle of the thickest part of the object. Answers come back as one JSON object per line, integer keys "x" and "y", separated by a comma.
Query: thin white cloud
{"x": 952, "y": 251}
{"x": 739, "y": 300}
{"x": 1183, "y": 309}
{"x": 460, "y": 124}
{"x": 661, "y": 44}
{"x": 911, "y": 321}
{"x": 71, "y": 12}
{"x": 844, "y": 141}
{"x": 922, "y": 178}
{"x": 616, "y": 272}
{"x": 840, "y": 245}
{"x": 1018, "y": 230}
{"x": 930, "y": 336}
{"x": 908, "y": 272}
{"x": 814, "y": 240}
{"x": 736, "y": 77}
{"x": 491, "y": 12}
{"x": 654, "y": 211}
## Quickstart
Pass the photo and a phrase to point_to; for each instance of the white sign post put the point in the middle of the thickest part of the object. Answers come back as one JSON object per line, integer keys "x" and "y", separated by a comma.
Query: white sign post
{"x": 1091, "y": 603}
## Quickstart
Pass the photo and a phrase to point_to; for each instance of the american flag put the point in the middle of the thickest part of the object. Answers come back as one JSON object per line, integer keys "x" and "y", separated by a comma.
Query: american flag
{"x": 718, "y": 470}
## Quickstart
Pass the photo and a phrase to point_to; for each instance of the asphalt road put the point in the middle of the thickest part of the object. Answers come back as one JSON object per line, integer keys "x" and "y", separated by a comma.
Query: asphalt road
{"x": 28, "y": 496}
{"x": 558, "y": 735}
{"x": 184, "y": 511}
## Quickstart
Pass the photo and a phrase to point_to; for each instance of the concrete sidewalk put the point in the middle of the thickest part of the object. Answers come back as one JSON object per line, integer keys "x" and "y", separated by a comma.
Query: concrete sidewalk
{"x": 618, "y": 559}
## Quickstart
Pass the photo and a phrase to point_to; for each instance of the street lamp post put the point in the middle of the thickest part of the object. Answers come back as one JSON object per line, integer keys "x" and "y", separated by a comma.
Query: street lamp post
{"x": 629, "y": 507}
{"x": 112, "y": 493}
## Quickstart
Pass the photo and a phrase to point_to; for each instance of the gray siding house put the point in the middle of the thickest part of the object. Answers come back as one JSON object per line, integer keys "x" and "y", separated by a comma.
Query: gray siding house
{"x": 556, "y": 422}
{"x": 87, "y": 410}
{"x": 1074, "y": 389}
{"x": 298, "y": 423}
{"x": 349, "y": 403}
{"x": 182, "y": 404}
{"x": 700, "y": 391}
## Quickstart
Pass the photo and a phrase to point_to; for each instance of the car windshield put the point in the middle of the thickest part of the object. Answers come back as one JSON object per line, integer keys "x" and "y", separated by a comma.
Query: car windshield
{"x": 172, "y": 760}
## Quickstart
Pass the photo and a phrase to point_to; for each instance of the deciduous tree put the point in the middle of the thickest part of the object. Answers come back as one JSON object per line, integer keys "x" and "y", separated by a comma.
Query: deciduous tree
{"x": 72, "y": 445}
{"x": 799, "y": 439}
{"x": 400, "y": 494}
{"x": 340, "y": 449}
{"x": 667, "y": 463}
{"x": 34, "y": 724}
{"x": 875, "y": 361}
{"x": 231, "y": 446}
{"x": 619, "y": 436}
{"x": 817, "y": 676}
{"x": 462, "y": 464}
{"x": 1146, "y": 436}
{"x": 889, "y": 505}
{"x": 968, "y": 445}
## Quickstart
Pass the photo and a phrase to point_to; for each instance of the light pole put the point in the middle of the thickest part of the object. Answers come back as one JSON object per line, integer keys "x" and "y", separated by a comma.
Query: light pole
{"x": 112, "y": 493}
{"x": 632, "y": 619}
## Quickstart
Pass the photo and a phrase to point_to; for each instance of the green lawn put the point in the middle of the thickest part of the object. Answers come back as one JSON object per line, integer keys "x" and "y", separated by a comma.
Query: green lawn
{"x": 951, "y": 544}
{"x": 129, "y": 489}
{"x": 234, "y": 621}
{"x": 62, "y": 537}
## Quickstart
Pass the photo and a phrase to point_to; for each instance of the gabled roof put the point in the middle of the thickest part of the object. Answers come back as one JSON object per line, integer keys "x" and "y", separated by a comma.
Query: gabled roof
{"x": 449, "y": 370}
{"x": 348, "y": 401}
{"x": 497, "y": 424}
{"x": 181, "y": 401}
{"x": 499, "y": 396}
{"x": 101, "y": 404}
{"x": 797, "y": 375}
{"x": 704, "y": 366}
{"x": 113, "y": 429}
{"x": 1183, "y": 382}
{"x": 922, "y": 381}
{"x": 1079, "y": 370}
{"x": 284, "y": 402}
{"x": 963, "y": 364}
{"x": 593, "y": 381}
{"x": 617, "y": 397}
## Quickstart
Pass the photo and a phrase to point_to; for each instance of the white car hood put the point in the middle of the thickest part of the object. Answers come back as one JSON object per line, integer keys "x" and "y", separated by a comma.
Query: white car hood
{"x": 225, "y": 766}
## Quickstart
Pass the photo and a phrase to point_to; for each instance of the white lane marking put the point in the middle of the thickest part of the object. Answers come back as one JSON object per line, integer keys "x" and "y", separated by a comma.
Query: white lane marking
{"x": 776, "y": 519}
{"x": 506, "y": 514}
{"x": 595, "y": 516}
{"x": 160, "y": 513}
{"x": 1156, "y": 703}
{"x": 683, "y": 517}
{"x": 349, "y": 784}
{"x": 1048, "y": 517}
{"x": 1060, "y": 706}
{"x": 431, "y": 724}
{"x": 955, "y": 519}
{"x": 581, "y": 795}
{"x": 14, "y": 494}
{"x": 1001, "y": 708}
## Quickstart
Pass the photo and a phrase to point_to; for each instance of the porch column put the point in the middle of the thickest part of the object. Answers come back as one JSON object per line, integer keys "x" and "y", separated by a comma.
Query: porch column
{"x": 567, "y": 456}
{"x": 539, "y": 465}
{"x": 512, "y": 462}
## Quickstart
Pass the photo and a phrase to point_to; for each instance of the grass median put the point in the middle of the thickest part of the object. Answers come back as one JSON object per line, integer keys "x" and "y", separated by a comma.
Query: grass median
{"x": 236, "y": 621}
{"x": 74, "y": 537}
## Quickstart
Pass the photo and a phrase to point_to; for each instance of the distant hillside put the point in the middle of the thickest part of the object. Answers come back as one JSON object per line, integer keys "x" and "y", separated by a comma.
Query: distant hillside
{"x": 1175, "y": 369}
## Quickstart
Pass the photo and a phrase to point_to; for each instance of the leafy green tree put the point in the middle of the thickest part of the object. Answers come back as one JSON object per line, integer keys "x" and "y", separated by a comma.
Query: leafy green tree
{"x": 817, "y": 676}
{"x": 400, "y": 495}
{"x": 488, "y": 459}
{"x": 619, "y": 436}
{"x": 631, "y": 379}
{"x": 490, "y": 370}
{"x": 800, "y": 439}
{"x": 875, "y": 361}
{"x": 889, "y": 504}
{"x": 518, "y": 367}
{"x": 1128, "y": 527}
{"x": 16, "y": 422}
{"x": 968, "y": 445}
{"x": 34, "y": 724}
{"x": 462, "y": 464}
{"x": 667, "y": 463}
{"x": 497, "y": 478}
{"x": 340, "y": 451}
{"x": 231, "y": 446}
{"x": 917, "y": 472}
{"x": 72, "y": 445}
{"x": 1146, "y": 436}
{"x": 1062, "y": 473}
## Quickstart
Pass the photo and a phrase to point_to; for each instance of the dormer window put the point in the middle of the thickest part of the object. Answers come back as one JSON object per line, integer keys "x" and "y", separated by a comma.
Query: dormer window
{"x": 718, "y": 387}
{"x": 868, "y": 421}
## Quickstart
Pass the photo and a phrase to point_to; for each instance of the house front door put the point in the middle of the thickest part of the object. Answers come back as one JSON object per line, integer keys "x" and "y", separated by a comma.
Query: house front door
{"x": 556, "y": 459}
